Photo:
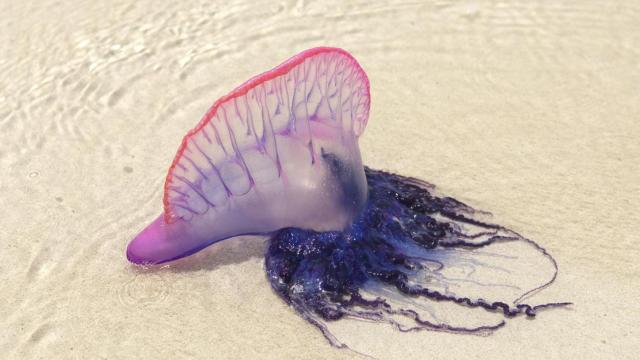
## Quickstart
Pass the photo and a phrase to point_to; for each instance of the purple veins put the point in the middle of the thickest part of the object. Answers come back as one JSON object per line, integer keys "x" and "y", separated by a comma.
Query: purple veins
{"x": 256, "y": 161}
{"x": 279, "y": 156}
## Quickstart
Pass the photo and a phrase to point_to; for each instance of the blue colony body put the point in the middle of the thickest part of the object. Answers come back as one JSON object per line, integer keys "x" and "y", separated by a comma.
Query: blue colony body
{"x": 404, "y": 230}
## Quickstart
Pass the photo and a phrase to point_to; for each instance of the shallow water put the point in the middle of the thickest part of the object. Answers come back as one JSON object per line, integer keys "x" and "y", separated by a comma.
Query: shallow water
{"x": 527, "y": 110}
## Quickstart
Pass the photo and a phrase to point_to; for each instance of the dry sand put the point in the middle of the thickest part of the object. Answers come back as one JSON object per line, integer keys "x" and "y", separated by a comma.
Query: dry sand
{"x": 530, "y": 110}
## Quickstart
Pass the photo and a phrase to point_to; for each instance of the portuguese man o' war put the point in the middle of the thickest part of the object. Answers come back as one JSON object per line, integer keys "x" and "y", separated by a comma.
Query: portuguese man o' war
{"x": 279, "y": 156}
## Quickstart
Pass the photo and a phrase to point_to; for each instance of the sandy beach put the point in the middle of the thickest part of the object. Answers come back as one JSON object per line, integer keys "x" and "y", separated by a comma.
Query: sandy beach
{"x": 529, "y": 110}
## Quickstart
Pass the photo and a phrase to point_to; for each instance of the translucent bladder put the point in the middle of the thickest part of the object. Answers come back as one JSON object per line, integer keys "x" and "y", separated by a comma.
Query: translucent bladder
{"x": 279, "y": 151}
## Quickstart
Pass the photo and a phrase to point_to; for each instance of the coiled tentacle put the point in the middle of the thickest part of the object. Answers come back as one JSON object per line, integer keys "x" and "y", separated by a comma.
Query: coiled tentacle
{"x": 405, "y": 261}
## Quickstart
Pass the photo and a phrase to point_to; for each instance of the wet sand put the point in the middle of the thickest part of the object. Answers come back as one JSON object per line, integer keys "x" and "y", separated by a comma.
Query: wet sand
{"x": 529, "y": 110}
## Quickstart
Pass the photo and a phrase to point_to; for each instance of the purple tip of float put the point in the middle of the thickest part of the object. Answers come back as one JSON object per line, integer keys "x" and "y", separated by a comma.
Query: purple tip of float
{"x": 132, "y": 257}
{"x": 159, "y": 243}
{"x": 146, "y": 247}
